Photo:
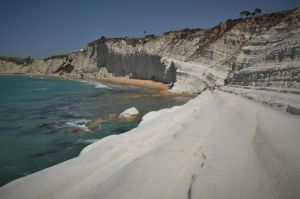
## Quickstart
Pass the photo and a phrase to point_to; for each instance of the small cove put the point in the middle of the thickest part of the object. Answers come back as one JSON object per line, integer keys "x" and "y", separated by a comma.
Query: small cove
{"x": 42, "y": 120}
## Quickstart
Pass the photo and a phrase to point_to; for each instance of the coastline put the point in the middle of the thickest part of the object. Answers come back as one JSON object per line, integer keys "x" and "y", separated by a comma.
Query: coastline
{"x": 181, "y": 151}
{"x": 237, "y": 135}
{"x": 163, "y": 89}
{"x": 157, "y": 87}
{"x": 160, "y": 88}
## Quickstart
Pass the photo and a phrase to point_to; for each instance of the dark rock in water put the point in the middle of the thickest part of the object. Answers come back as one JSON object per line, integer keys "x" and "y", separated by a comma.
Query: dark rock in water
{"x": 94, "y": 124}
{"x": 69, "y": 114}
{"x": 59, "y": 143}
{"x": 42, "y": 154}
{"x": 76, "y": 131}
{"x": 83, "y": 126}
{"x": 51, "y": 125}
{"x": 111, "y": 116}
{"x": 80, "y": 123}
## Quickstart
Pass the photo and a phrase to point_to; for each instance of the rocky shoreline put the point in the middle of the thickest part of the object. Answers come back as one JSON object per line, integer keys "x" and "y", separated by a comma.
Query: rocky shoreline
{"x": 189, "y": 155}
{"x": 218, "y": 145}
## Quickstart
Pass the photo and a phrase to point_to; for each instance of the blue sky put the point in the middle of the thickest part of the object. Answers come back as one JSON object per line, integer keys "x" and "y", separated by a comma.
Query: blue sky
{"x": 40, "y": 28}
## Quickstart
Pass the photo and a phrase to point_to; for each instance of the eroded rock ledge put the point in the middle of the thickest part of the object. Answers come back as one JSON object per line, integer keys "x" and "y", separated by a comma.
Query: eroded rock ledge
{"x": 217, "y": 146}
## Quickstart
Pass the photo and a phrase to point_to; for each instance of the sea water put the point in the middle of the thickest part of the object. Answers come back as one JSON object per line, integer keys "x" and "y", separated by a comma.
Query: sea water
{"x": 42, "y": 120}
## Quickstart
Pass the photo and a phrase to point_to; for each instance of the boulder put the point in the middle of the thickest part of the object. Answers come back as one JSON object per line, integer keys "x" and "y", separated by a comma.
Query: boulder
{"x": 112, "y": 116}
{"x": 129, "y": 115}
{"x": 94, "y": 125}
{"x": 76, "y": 131}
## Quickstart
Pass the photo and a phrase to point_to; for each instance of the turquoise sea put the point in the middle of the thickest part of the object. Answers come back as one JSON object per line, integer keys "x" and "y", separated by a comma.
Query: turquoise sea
{"x": 42, "y": 120}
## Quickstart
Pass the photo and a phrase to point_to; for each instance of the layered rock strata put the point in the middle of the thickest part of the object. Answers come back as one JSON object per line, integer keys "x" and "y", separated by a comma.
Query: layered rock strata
{"x": 260, "y": 52}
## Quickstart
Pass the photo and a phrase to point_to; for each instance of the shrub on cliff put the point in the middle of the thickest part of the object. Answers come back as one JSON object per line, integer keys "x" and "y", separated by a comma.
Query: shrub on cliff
{"x": 245, "y": 14}
{"x": 257, "y": 11}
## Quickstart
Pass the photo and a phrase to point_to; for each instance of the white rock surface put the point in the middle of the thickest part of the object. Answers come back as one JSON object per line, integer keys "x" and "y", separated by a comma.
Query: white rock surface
{"x": 288, "y": 102}
{"x": 218, "y": 145}
{"x": 195, "y": 77}
{"x": 129, "y": 114}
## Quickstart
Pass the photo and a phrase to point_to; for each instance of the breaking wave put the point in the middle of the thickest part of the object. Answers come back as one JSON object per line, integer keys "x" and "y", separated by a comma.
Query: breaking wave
{"x": 95, "y": 83}
{"x": 79, "y": 124}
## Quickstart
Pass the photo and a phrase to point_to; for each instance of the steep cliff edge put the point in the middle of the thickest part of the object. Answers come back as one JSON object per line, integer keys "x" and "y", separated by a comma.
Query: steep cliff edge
{"x": 257, "y": 52}
{"x": 78, "y": 64}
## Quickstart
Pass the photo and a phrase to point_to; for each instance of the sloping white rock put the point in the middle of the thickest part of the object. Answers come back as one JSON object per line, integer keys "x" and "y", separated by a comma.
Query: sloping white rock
{"x": 217, "y": 145}
{"x": 288, "y": 102}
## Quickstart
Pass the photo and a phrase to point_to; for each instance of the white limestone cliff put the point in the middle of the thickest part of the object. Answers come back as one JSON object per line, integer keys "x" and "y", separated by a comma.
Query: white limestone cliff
{"x": 261, "y": 51}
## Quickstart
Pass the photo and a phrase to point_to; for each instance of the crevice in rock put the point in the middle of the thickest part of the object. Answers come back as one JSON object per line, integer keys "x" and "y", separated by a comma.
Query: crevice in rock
{"x": 191, "y": 186}
{"x": 68, "y": 68}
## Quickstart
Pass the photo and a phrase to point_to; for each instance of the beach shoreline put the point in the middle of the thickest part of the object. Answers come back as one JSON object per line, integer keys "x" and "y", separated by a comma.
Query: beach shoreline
{"x": 160, "y": 88}
{"x": 163, "y": 89}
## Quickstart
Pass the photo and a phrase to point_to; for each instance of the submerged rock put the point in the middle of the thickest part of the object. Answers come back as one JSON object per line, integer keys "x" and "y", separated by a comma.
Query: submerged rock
{"x": 129, "y": 115}
{"x": 76, "y": 131}
{"x": 111, "y": 116}
{"x": 94, "y": 125}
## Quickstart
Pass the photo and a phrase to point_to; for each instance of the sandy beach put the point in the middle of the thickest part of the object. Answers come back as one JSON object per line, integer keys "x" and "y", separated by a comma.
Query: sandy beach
{"x": 163, "y": 89}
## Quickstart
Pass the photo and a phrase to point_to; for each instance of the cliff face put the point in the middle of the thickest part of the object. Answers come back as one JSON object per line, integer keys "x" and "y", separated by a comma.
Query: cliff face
{"x": 78, "y": 64}
{"x": 137, "y": 64}
{"x": 261, "y": 52}
{"x": 270, "y": 59}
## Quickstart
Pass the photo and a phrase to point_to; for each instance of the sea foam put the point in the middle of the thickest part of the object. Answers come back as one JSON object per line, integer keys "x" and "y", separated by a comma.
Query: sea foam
{"x": 79, "y": 124}
{"x": 95, "y": 83}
